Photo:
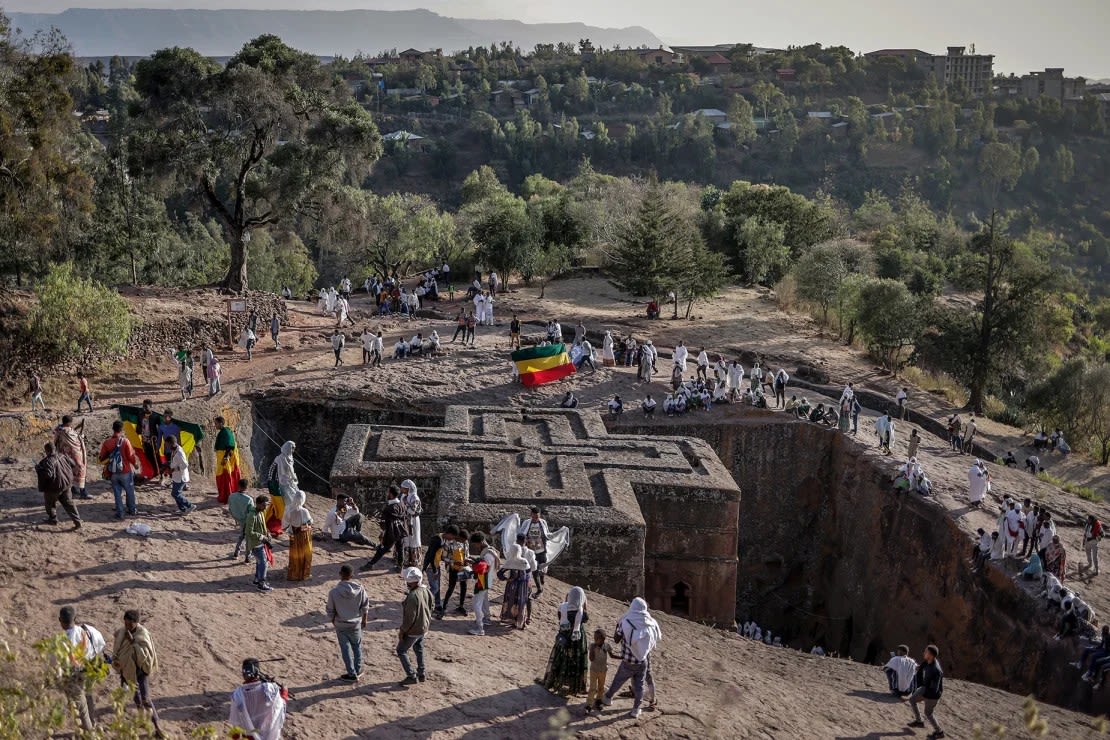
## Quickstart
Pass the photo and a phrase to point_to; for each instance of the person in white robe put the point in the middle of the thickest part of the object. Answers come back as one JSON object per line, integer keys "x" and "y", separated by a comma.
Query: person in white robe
{"x": 489, "y": 310}
{"x": 479, "y": 308}
{"x": 647, "y": 361}
{"x": 333, "y": 297}
{"x": 735, "y": 379}
{"x": 977, "y": 478}
{"x": 680, "y": 355}
{"x": 608, "y": 357}
{"x": 322, "y": 304}
{"x": 412, "y": 543}
{"x": 703, "y": 364}
{"x": 286, "y": 473}
{"x": 1012, "y": 533}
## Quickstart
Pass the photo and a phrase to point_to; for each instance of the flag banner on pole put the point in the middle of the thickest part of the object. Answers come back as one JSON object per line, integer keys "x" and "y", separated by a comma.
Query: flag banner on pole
{"x": 190, "y": 435}
{"x": 544, "y": 364}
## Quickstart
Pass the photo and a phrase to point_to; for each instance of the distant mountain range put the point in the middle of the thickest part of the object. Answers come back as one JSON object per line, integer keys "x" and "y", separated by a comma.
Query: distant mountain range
{"x": 139, "y": 32}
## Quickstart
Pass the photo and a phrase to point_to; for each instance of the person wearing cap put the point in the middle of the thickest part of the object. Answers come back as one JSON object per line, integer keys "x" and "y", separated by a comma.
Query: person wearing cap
{"x": 88, "y": 644}
{"x": 258, "y": 706}
{"x": 416, "y": 620}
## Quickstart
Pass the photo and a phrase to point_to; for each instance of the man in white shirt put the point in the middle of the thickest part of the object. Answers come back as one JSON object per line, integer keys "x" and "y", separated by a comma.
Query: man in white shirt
{"x": 179, "y": 474}
{"x": 344, "y": 522}
{"x": 87, "y": 643}
{"x": 703, "y": 364}
{"x": 900, "y": 399}
{"x": 258, "y": 706}
{"x": 401, "y": 349}
{"x": 900, "y": 670}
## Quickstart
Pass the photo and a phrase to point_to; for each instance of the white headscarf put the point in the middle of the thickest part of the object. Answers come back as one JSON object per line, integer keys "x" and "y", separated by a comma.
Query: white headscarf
{"x": 296, "y": 515}
{"x": 411, "y": 499}
{"x": 514, "y": 558}
{"x": 287, "y": 476}
{"x": 641, "y": 631}
{"x": 576, "y": 602}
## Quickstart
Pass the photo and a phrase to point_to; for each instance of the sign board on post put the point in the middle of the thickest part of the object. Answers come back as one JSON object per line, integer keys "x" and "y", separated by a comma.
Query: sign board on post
{"x": 234, "y": 305}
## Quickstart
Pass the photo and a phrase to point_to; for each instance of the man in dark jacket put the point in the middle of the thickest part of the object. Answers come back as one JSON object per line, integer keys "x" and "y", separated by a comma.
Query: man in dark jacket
{"x": 55, "y": 478}
{"x": 930, "y": 685}
{"x": 394, "y": 521}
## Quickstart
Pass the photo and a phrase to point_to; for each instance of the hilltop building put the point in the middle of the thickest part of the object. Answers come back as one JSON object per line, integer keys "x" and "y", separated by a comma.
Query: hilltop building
{"x": 976, "y": 71}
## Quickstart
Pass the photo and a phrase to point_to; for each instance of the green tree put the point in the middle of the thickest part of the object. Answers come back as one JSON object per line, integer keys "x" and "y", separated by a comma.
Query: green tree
{"x": 821, "y": 272}
{"x": 999, "y": 168}
{"x": 652, "y": 253}
{"x": 1097, "y": 394}
{"x": 77, "y": 318}
{"x": 44, "y": 187}
{"x": 765, "y": 254}
{"x": 501, "y": 230}
{"x": 741, "y": 123}
{"x": 262, "y": 140}
{"x": 1063, "y": 164}
{"x": 481, "y": 184}
{"x": 707, "y": 274}
{"x": 281, "y": 259}
{"x": 890, "y": 319}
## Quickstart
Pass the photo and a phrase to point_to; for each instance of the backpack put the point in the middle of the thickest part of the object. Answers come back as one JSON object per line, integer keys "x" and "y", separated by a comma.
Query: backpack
{"x": 456, "y": 556}
{"x": 115, "y": 458}
{"x": 54, "y": 474}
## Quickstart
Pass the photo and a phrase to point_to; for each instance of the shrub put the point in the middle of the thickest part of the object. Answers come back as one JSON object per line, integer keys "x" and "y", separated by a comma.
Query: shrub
{"x": 77, "y": 318}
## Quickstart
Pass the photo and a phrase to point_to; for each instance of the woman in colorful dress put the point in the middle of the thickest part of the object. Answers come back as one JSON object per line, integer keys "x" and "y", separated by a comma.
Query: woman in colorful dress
{"x": 569, "y": 662}
{"x": 227, "y": 462}
{"x": 515, "y": 571}
{"x": 299, "y": 522}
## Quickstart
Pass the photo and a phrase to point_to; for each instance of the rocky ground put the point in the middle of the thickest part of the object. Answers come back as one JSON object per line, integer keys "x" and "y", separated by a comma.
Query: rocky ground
{"x": 713, "y": 684}
{"x": 205, "y": 617}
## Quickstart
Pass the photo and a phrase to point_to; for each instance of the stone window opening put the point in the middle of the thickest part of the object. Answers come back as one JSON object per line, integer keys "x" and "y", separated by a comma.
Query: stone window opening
{"x": 680, "y": 599}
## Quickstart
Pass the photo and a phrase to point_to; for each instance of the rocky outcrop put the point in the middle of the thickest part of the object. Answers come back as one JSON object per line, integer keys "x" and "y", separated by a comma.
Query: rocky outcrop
{"x": 829, "y": 555}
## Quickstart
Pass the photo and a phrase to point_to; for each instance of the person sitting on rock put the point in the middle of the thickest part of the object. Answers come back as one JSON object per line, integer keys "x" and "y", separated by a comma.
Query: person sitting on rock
{"x": 1069, "y": 622}
{"x": 900, "y": 670}
{"x": 649, "y": 405}
{"x": 1094, "y": 654}
{"x": 1010, "y": 461}
{"x": 616, "y": 406}
{"x": 1052, "y": 590}
{"x": 818, "y": 414}
{"x": 570, "y": 401}
{"x": 1034, "y": 569}
{"x": 982, "y": 549}
{"x": 401, "y": 349}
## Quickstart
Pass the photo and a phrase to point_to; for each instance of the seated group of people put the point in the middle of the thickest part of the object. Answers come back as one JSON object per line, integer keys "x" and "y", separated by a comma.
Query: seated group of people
{"x": 910, "y": 478}
{"x": 753, "y": 631}
{"x": 1054, "y": 442}
{"x": 821, "y": 414}
{"x": 417, "y": 346}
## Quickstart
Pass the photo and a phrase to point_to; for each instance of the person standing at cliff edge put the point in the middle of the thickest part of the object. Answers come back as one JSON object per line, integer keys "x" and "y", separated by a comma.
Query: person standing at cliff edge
{"x": 930, "y": 685}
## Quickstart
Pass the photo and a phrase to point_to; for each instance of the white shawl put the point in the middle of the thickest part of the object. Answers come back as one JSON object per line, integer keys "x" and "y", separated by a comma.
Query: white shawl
{"x": 287, "y": 476}
{"x": 576, "y": 601}
{"x": 411, "y": 500}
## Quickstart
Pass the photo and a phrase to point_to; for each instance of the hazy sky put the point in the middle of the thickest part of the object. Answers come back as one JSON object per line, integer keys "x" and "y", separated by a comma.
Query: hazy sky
{"x": 1022, "y": 34}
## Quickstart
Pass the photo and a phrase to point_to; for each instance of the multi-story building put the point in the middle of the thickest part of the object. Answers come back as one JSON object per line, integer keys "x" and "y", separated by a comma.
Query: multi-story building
{"x": 1052, "y": 83}
{"x": 976, "y": 71}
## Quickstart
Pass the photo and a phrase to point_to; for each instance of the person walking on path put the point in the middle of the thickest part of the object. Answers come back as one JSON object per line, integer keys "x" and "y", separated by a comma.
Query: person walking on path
{"x": 69, "y": 441}
{"x": 120, "y": 463}
{"x": 348, "y": 608}
{"x": 258, "y": 706}
{"x": 257, "y": 539}
{"x": 88, "y": 645}
{"x": 179, "y": 474}
{"x": 637, "y": 634}
{"x": 930, "y": 685}
{"x": 215, "y": 372}
{"x": 1092, "y": 535}
{"x": 239, "y": 505}
{"x": 416, "y": 620}
{"x": 135, "y": 658}
{"x": 83, "y": 392}
{"x": 35, "y": 390}
{"x": 275, "y": 330}
{"x": 338, "y": 341}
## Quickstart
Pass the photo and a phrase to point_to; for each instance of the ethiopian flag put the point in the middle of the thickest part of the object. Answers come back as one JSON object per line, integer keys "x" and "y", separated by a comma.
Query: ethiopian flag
{"x": 544, "y": 364}
{"x": 189, "y": 435}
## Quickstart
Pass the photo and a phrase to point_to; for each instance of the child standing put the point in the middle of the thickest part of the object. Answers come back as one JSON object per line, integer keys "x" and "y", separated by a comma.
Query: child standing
{"x": 600, "y": 650}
